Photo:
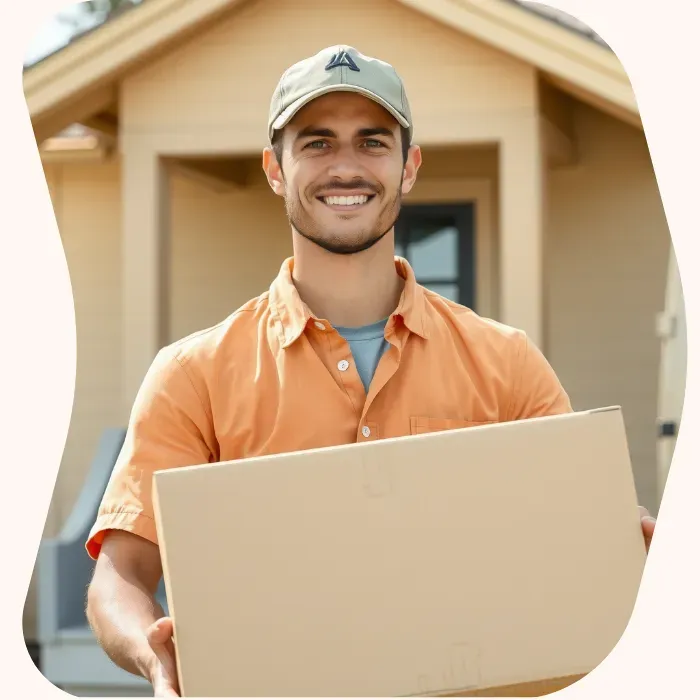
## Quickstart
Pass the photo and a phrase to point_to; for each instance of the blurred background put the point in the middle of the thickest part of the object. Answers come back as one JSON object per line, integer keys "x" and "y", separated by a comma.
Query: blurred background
{"x": 537, "y": 205}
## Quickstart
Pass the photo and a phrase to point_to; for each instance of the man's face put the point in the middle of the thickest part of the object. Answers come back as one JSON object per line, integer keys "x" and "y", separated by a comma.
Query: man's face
{"x": 342, "y": 173}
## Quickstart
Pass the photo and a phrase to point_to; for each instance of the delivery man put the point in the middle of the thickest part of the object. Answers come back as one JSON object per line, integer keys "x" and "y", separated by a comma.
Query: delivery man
{"x": 343, "y": 347}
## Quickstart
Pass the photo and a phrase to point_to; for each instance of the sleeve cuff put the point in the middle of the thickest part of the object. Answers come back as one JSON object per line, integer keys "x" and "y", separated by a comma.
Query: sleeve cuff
{"x": 128, "y": 521}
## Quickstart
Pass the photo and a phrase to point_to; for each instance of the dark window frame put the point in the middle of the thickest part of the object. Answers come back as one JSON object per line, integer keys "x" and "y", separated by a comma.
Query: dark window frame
{"x": 461, "y": 215}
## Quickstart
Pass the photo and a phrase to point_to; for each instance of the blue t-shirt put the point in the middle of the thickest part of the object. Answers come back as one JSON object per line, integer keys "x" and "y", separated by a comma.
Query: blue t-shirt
{"x": 367, "y": 344}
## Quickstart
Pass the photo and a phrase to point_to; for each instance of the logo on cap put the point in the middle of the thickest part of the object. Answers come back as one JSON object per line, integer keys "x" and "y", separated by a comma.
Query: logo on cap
{"x": 342, "y": 59}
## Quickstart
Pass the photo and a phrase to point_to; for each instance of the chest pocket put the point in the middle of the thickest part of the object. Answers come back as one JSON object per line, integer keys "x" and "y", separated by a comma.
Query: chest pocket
{"x": 426, "y": 424}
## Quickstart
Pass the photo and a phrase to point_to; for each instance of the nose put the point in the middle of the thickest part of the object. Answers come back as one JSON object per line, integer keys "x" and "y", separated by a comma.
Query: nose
{"x": 345, "y": 165}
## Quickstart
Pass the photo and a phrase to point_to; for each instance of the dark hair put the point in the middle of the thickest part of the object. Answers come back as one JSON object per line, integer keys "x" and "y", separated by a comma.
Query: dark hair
{"x": 277, "y": 144}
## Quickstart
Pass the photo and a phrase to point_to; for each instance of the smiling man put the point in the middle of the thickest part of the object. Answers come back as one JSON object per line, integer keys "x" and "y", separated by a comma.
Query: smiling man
{"x": 345, "y": 346}
{"x": 354, "y": 214}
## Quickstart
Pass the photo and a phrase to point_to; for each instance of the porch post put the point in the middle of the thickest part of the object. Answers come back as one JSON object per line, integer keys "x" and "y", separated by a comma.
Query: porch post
{"x": 145, "y": 264}
{"x": 522, "y": 191}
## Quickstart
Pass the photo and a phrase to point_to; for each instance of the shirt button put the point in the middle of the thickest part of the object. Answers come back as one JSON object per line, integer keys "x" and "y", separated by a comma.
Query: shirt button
{"x": 319, "y": 325}
{"x": 366, "y": 431}
{"x": 343, "y": 365}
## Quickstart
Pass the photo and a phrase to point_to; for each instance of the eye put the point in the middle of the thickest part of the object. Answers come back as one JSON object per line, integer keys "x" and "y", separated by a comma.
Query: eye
{"x": 316, "y": 144}
{"x": 373, "y": 143}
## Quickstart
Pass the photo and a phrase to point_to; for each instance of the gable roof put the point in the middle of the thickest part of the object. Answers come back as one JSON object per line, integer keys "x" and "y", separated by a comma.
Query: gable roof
{"x": 80, "y": 79}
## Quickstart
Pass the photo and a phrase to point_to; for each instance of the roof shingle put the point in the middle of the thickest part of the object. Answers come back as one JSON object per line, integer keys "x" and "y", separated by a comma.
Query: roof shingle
{"x": 559, "y": 17}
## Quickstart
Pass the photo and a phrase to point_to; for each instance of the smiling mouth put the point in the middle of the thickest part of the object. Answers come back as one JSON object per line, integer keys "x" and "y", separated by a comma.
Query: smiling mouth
{"x": 347, "y": 203}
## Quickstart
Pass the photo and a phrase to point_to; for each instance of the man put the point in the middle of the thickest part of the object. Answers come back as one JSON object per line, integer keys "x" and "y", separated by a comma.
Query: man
{"x": 344, "y": 347}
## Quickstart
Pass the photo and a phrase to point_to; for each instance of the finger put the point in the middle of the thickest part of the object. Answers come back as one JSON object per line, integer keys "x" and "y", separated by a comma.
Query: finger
{"x": 648, "y": 526}
{"x": 643, "y": 512}
{"x": 160, "y": 631}
{"x": 160, "y": 639}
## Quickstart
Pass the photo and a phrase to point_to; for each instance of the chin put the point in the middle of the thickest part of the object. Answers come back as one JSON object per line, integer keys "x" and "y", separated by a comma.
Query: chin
{"x": 344, "y": 234}
{"x": 349, "y": 245}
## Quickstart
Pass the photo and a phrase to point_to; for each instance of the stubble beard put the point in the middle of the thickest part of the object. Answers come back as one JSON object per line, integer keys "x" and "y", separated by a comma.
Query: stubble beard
{"x": 347, "y": 243}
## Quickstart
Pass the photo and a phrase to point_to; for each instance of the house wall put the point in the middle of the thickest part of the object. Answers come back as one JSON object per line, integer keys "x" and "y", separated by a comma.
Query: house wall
{"x": 217, "y": 87}
{"x": 608, "y": 245}
{"x": 674, "y": 367}
{"x": 86, "y": 201}
{"x": 226, "y": 249}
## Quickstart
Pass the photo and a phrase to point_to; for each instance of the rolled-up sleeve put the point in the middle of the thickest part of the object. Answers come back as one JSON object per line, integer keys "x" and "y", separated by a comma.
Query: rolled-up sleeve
{"x": 170, "y": 426}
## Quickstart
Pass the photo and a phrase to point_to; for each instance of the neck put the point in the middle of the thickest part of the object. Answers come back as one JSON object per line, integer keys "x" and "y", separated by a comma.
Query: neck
{"x": 348, "y": 290}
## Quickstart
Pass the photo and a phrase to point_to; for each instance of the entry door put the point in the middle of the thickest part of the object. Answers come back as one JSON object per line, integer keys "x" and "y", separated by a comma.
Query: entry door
{"x": 438, "y": 242}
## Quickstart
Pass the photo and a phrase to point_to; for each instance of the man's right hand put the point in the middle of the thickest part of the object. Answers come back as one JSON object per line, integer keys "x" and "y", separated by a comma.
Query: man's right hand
{"x": 128, "y": 621}
{"x": 163, "y": 674}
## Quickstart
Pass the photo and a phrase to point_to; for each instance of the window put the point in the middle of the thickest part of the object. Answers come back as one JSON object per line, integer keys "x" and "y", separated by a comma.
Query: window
{"x": 438, "y": 242}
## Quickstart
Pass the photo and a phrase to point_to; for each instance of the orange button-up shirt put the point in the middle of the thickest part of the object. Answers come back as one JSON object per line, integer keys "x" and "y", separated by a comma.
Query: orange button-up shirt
{"x": 273, "y": 378}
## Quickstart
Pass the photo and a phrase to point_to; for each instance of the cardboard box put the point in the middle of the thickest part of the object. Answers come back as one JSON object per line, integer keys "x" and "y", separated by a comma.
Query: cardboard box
{"x": 488, "y": 561}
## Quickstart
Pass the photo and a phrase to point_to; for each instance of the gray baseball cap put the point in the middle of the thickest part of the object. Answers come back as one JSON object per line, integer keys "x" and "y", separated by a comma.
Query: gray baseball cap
{"x": 337, "y": 69}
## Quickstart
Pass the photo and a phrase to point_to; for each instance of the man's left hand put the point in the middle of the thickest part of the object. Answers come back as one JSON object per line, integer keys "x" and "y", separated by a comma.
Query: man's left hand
{"x": 648, "y": 525}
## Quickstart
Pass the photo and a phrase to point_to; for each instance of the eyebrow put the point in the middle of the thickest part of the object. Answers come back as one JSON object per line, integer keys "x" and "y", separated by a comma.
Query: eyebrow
{"x": 310, "y": 131}
{"x": 377, "y": 131}
{"x": 315, "y": 131}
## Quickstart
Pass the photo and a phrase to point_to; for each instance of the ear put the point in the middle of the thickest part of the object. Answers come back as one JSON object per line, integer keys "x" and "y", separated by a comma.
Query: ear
{"x": 273, "y": 172}
{"x": 410, "y": 171}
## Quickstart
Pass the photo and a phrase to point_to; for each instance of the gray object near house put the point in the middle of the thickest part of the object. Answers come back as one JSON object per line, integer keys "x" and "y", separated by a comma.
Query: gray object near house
{"x": 70, "y": 655}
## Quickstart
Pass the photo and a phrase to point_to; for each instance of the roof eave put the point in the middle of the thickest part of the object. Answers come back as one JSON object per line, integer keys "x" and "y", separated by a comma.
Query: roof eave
{"x": 549, "y": 46}
{"x": 100, "y": 58}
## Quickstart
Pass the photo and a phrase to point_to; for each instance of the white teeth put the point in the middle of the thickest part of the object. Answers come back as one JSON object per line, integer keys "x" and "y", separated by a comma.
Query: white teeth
{"x": 346, "y": 201}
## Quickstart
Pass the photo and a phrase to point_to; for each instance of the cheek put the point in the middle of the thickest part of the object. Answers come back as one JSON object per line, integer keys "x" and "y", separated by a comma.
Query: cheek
{"x": 304, "y": 179}
{"x": 390, "y": 175}
{"x": 293, "y": 187}
{"x": 304, "y": 190}
{"x": 300, "y": 193}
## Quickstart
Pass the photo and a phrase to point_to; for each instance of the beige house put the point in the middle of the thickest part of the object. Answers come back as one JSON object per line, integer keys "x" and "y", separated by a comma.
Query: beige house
{"x": 537, "y": 191}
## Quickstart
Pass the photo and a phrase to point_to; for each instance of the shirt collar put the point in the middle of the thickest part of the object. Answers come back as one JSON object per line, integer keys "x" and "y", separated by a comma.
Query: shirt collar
{"x": 292, "y": 315}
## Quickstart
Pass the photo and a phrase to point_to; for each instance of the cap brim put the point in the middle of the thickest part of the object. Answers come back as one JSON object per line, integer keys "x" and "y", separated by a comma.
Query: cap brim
{"x": 286, "y": 115}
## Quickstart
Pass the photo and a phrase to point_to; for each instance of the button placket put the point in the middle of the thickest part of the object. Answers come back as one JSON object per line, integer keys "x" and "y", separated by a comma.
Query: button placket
{"x": 387, "y": 367}
{"x": 348, "y": 375}
{"x": 338, "y": 361}
{"x": 367, "y": 431}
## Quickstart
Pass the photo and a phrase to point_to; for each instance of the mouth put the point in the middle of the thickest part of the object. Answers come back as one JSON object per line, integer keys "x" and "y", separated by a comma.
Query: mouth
{"x": 347, "y": 203}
